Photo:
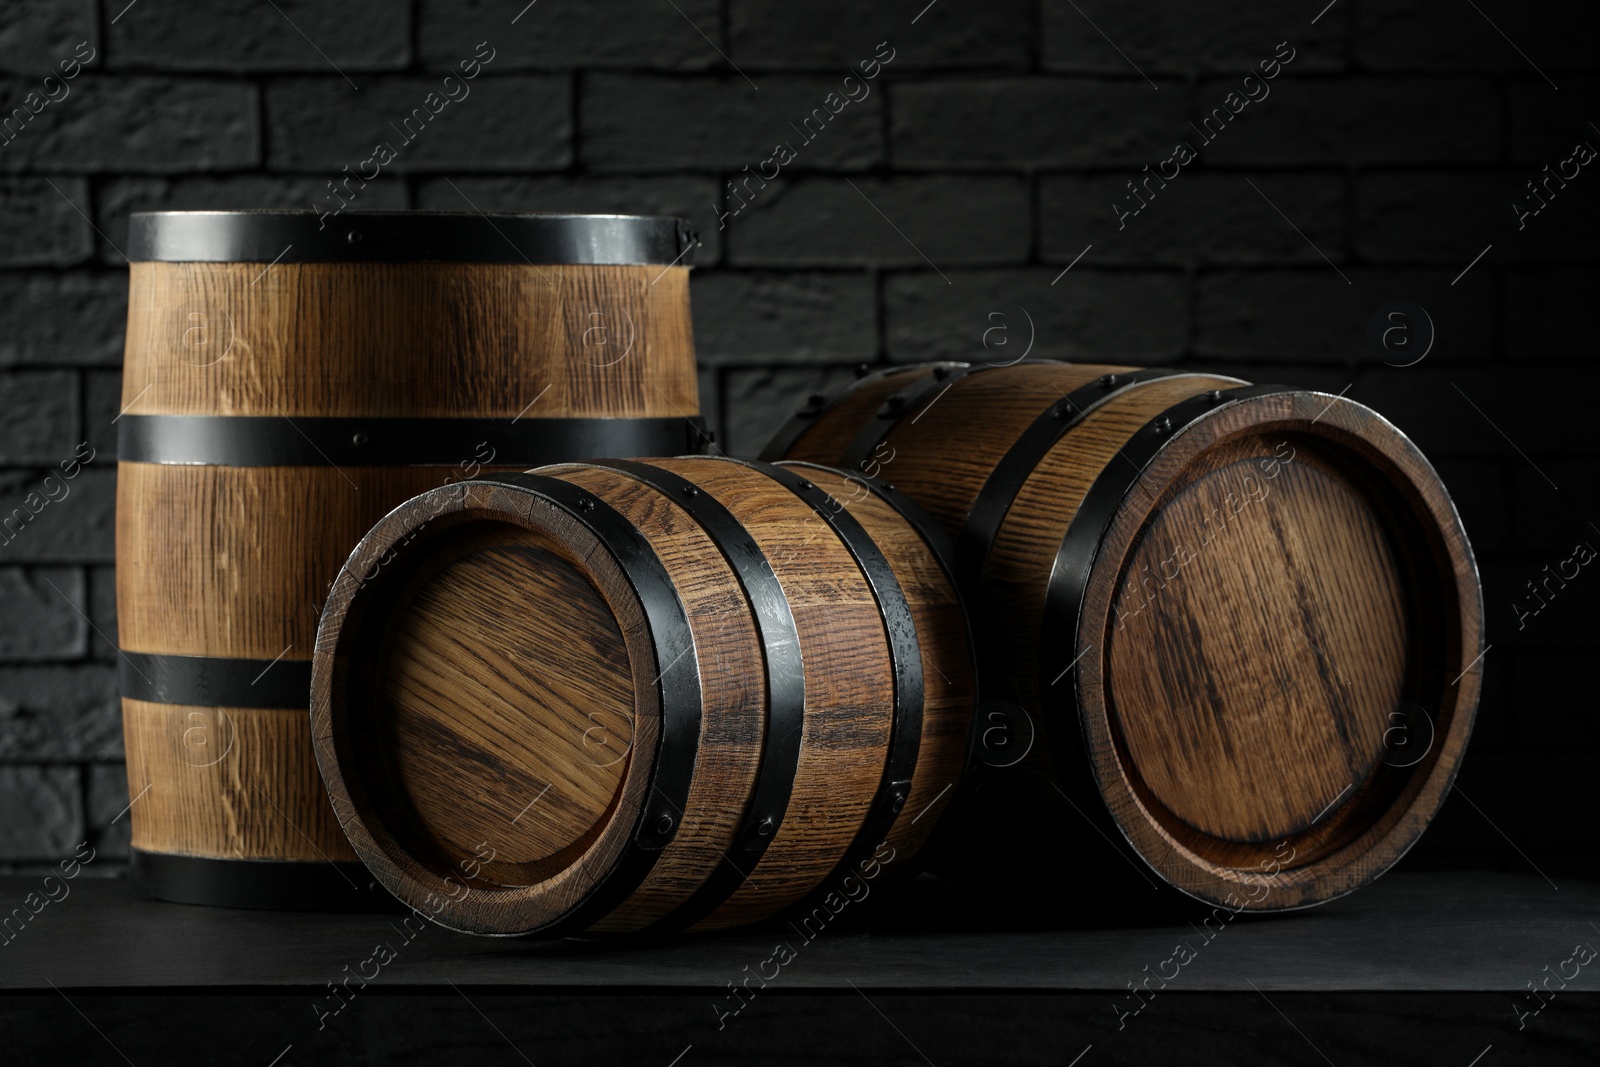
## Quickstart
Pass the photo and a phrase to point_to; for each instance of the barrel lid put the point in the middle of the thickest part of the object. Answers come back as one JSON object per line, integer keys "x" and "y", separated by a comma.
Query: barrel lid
{"x": 1273, "y": 653}
{"x": 295, "y": 236}
{"x": 504, "y": 705}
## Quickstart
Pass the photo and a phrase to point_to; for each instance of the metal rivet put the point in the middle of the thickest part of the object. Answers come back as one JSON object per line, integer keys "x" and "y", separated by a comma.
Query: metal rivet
{"x": 358, "y": 439}
{"x": 353, "y": 237}
{"x": 862, "y": 370}
{"x": 664, "y": 825}
{"x": 899, "y": 802}
{"x": 1214, "y": 396}
{"x": 691, "y": 490}
{"x": 585, "y": 504}
{"x": 941, "y": 373}
{"x": 1161, "y": 425}
{"x": 1110, "y": 381}
{"x": 1061, "y": 412}
{"x": 896, "y": 401}
{"x": 886, "y": 487}
{"x": 764, "y": 827}
{"x": 803, "y": 484}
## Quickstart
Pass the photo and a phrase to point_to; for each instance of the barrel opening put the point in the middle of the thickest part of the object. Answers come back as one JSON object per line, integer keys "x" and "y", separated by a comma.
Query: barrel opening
{"x": 484, "y": 720}
{"x": 1327, "y": 544}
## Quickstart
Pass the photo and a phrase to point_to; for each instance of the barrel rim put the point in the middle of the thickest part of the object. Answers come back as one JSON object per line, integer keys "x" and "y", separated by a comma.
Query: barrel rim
{"x": 292, "y": 235}
{"x": 1347, "y": 848}
{"x": 662, "y": 761}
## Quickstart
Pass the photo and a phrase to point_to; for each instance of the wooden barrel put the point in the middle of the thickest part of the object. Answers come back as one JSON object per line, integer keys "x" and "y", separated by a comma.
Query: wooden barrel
{"x": 285, "y": 386}
{"x": 621, "y": 696}
{"x": 1244, "y": 620}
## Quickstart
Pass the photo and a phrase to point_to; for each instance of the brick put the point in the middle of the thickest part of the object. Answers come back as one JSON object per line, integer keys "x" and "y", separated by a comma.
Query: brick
{"x": 44, "y": 812}
{"x": 76, "y": 528}
{"x": 120, "y": 197}
{"x": 1138, "y": 317}
{"x": 1450, "y": 217}
{"x": 1181, "y": 38}
{"x": 36, "y": 37}
{"x": 839, "y": 35}
{"x": 140, "y": 123}
{"x": 353, "y": 36}
{"x": 102, "y": 404}
{"x": 1545, "y": 125}
{"x": 1469, "y": 412}
{"x": 689, "y": 197}
{"x": 1525, "y": 614}
{"x": 110, "y": 826}
{"x": 73, "y": 319}
{"x": 318, "y": 123}
{"x": 595, "y": 35}
{"x": 60, "y": 713}
{"x": 1352, "y": 121}
{"x": 103, "y": 613}
{"x": 996, "y": 122}
{"x": 1194, "y": 219}
{"x": 39, "y": 226}
{"x": 1323, "y": 379}
{"x": 1482, "y": 495}
{"x": 1513, "y": 794}
{"x": 1559, "y": 686}
{"x": 652, "y": 123}
{"x": 745, "y": 318}
{"x": 759, "y": 401}
{"x": 43, "y": 426}
{"x": 1413, "y": 35}
{"x": 39, "y": 613}
{"x": 877, "y": 222}
{"x": 1547, "y": 313}
{"x": 1553, "y": 510}
{"x": 711, "y": 404}
{"x": 1311, "y": 314}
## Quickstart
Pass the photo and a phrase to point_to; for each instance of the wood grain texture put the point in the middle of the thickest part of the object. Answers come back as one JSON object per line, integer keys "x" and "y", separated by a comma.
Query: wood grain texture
{"x": 1297, "y": 570}
{"x": 733, "y": 691}
{"x": 849, "y": 685}
{"x": 495, "y": 624}
{"x": 409, "y": 339}
{"x": 215, "y": 782}
{"x": 237, "y": 562}
{"x": 948, "y": 675}
{"x": 1246, "y": 639}
{"x": 494, "y": 653}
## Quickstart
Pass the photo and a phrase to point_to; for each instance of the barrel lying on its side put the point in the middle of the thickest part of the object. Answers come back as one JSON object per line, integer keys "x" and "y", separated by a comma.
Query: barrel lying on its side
{"x": 1245, "y": 618}
{"x": 286, "y": 385}
{"x": 629, "y": 696}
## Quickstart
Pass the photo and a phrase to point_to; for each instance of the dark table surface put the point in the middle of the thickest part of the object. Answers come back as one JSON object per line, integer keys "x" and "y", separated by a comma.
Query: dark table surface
{"x": 1407, "y": 932}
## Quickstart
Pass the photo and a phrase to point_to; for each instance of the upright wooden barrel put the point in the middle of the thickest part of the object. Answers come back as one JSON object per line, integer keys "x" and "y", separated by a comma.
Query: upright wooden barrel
{"x": 286, "y": 384}
{"x": 624, "y": 696}
{"x": 1244, "y": 620}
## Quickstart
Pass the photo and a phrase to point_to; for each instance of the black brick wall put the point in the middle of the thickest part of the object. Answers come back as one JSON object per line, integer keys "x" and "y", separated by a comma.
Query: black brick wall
{"x": 985, "y": 160}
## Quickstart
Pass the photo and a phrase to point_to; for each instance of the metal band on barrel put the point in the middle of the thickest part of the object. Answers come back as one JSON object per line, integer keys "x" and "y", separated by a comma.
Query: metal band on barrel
{"x": 318, "y": 441}
{"x": 905, "y": 652}
{"x": 786, "y": 691}
{"x": 672, "y": 770}
{"x": 281, "y": 237}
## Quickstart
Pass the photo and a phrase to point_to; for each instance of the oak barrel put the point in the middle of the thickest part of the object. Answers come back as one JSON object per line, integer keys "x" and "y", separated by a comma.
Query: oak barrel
{"x": 286, "y": 384}
{"x": 1232, "y": 629}
{"x": 625, "y": 697}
